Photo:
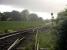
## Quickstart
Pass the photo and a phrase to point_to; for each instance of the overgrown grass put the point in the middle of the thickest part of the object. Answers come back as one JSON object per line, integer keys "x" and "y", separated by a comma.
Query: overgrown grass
{"x": 15, "y": 25}
{"x": 47, "y": 40}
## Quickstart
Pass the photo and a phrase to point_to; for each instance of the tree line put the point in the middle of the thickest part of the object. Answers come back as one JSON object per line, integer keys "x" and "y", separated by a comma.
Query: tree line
{"x": 19, "y": 16}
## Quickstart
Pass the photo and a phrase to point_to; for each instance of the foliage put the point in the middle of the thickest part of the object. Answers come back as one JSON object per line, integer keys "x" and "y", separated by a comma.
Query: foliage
{"x": 62, "y": 16}
{"x": 19, "y": 16}
{"x": 62, "y": 37}
{"x": 47, "y": 40}
{"x": 61, "y": 31}
{"x": 16, "y": 25}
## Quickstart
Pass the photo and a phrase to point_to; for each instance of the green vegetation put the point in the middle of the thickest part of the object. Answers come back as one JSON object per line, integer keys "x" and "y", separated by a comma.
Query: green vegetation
{"x": 47, "y": 39}
{"x": 61, "y": 43}
{"x": 17, "y": 25}
{"x": 19, "y": 20}
{"x": 23, "y": 20}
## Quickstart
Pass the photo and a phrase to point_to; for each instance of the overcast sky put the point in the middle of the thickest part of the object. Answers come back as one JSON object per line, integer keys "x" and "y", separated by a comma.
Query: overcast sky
{"x": 41, "y": 7}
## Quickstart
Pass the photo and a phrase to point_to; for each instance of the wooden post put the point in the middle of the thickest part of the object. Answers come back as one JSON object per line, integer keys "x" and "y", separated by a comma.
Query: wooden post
{"x": 15, "y": 43}
{"x": 36, "y": 41}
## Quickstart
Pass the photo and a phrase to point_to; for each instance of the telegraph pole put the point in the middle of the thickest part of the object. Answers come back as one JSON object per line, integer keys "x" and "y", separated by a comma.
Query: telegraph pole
{"x": 52, "y": 20}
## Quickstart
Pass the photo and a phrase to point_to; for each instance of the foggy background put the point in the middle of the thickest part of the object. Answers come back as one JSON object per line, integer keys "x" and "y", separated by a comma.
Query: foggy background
{"x": 40, "y": 7}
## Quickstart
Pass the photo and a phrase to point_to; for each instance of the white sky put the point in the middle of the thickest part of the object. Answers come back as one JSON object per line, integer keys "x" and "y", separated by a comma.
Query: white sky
{"x": 42, "y": 8}
{"x": 44, "y": 15}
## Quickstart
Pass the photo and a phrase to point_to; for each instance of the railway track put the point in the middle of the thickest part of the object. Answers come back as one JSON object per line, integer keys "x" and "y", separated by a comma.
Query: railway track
{"x": 16, "y": 40}
{"x": 11, "y": 41}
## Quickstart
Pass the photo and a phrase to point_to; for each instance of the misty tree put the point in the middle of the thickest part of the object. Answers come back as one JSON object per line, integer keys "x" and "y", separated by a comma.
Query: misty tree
{"x": 11, "y": 16}
{"x": 7, "y": 15}
{"x": 40, "y": 19}
{"x": 3, "y": 17}
{"x": 0, "y": 16}
{"x": 16, "y": 16}
{"x": 25, "y": 14}
{"x": 33, "y": 17}
{"x": 19, "y": 16}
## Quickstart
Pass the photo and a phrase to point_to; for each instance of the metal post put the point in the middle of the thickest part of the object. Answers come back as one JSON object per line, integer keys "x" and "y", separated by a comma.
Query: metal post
{"x": 52, "y": 18}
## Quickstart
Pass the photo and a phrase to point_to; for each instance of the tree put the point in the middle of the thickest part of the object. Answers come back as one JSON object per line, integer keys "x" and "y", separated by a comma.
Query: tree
{"x": 25, "y": 14}
{"x": 33, "y": 17}
{"x": 16, "y": 16}
{"x": 3, "y": 17}
{"x": 62, "y": 16}
{"x": 62, "y": 31}
{"x": 40, "y": 19}
{"x": 6, "y": 16}
{"x": 62, "y": 37}
{"x": 0, "y": 16}
{"x": 19, "y": 16}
